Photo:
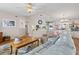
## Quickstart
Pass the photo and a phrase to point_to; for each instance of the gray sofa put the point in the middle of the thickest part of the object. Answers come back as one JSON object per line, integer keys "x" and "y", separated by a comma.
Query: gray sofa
{"x": 62, "y": 45}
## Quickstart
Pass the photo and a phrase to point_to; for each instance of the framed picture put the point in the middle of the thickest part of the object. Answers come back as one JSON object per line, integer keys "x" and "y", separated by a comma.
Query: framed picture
{"x": 8, "y": 23}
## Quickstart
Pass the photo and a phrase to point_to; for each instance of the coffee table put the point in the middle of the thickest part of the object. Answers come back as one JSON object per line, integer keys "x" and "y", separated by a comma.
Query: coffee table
{"x": 22, "y": 43}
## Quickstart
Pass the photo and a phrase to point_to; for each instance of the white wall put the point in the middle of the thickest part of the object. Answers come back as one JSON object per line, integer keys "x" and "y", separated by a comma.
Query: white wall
{"x": 16, "y": 31}
{"x": 33, "y": 21}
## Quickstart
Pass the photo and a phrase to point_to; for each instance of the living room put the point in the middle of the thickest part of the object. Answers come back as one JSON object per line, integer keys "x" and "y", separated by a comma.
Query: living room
{"x": 28, "y": 28}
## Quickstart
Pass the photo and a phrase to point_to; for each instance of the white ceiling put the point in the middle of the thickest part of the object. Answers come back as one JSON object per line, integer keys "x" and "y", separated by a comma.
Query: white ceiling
{"x": 51, "y": 8}
{"x": 15, "y": 8}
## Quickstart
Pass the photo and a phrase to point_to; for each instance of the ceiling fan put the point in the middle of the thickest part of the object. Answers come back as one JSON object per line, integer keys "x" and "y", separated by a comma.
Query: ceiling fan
{"x": 29, "y": 7}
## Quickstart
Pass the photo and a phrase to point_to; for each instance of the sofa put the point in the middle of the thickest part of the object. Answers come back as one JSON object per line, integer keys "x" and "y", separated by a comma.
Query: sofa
{"x": 61, "y": 45}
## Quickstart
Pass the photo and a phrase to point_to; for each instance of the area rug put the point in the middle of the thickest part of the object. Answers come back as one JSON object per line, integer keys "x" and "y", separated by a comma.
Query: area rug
{"x": 21, "y": 51}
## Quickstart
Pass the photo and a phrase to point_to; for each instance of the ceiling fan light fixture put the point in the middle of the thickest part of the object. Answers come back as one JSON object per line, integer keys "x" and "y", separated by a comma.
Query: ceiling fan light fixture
{"x": 29, "y": 7}
{"x": 29, "y": 10}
